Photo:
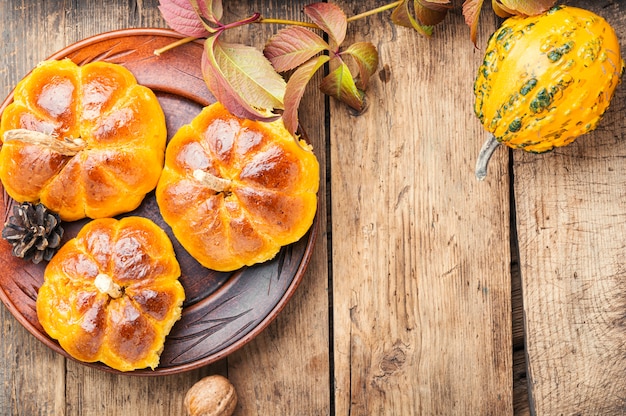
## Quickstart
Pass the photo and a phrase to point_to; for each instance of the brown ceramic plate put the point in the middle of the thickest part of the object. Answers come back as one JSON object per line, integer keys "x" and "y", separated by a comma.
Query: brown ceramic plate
{"x": 222, "y": 311}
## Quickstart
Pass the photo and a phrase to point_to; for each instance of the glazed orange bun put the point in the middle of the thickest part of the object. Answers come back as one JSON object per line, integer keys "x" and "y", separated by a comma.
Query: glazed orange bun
{"x": 234, "y": 191}
{"x": 112, "y": 294}
{"x": 85, "y": 141}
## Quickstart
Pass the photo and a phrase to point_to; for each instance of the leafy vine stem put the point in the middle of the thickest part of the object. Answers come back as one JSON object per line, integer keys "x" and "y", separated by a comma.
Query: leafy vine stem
{"x": 249, "y": 82}
{"x": 260, "y": 19}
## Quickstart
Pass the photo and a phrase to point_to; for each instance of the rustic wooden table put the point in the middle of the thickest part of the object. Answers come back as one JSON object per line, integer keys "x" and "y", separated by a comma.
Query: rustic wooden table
{"x": 428, "y": 292}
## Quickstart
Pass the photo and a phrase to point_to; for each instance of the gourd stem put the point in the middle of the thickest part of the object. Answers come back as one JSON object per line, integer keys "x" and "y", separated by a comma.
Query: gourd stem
{"x": 213, "y": 182}
{"x": 66, "y": 147}
{"x": 484, "y": 156}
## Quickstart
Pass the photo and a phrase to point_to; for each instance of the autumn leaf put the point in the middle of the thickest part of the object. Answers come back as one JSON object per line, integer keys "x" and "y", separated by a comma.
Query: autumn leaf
{"x": 524, "y": 8}
{"x": 251, "y": 74}
{"x": 186, "y": 16}
{"x": 471, "y": 12}
{"x": 295, "y": 90}
{"x": 500, "y": 10}
{"x": 430, "y": 13}
{"x": 366, "y": 57}
{"x": 293, "y": 46}
{"x": 330, "y": 18}
{"x": 212, "y": 10}
{"x": 402, "y": 16}
{"x": 504, "y": 9}
{"x": 340, "y": 84}
{"x": 242, "y": 79}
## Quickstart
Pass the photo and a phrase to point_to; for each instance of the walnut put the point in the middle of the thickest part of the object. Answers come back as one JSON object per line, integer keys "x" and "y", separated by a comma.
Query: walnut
{"x": 211, "y": 396}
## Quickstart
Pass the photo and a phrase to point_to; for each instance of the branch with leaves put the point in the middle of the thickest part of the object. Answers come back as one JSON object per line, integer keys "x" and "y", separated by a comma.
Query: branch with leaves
{"x": 249, "y": 82}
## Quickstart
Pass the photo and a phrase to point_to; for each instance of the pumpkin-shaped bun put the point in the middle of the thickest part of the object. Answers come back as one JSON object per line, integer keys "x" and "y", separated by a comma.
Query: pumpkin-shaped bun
{"x": 234, "y": 190}
{"x": 112, "y": 293}
{"x": 547, "y": 79}
{"x": 103, "y": 146}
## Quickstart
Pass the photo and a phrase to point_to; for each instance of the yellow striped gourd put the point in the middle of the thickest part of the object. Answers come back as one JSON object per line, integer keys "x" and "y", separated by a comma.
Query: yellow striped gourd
{"x": 545, "y": 80}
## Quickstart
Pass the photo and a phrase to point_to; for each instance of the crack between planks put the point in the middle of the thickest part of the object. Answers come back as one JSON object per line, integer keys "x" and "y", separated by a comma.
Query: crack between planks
{"x": 329, "y": 245}
{"x": 515, "y": 253}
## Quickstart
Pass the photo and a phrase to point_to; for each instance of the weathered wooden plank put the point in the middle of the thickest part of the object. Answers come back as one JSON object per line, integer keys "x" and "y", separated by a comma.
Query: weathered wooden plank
{"x": 421, "y": 276}
{"x": 24, "y": 362}
{"x": 93, "y": 392}
{"x": 90, "y": 391}
{"x": 263, "y": 372}
{"x": 285, "y": 370}
{"x": 571, "y": 216}
{"x": 39, "y": 382}
{"x": 30, "y": 32}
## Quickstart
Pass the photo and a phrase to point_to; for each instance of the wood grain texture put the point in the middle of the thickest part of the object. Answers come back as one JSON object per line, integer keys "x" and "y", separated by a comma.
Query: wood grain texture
{"x": 24, "y": 359}
{"x": 421, "y": 277}
{"x": 44, "y": 383}
{"x": 37, "y": 381}
{"x": 34, "y": 376}
{"x": 416, "y": 316}
{"x": 285, "y": 370}
{"x": 571, "y": 219}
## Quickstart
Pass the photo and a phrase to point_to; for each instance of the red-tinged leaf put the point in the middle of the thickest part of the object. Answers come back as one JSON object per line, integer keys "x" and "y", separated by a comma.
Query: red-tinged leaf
{"x": 242, "y": 79}
{"x": 526, "y": 7}
{"x": 366, "y": 57}
{"x": 340, "y": 84}
{"x": 181, "y": 16}
{"x": 402, "y": 16}
{"x": 471, "y": 12}
{"x": 430, "y": 13}
{"x": 211, "y": 10}
{"x": 295, "y": 90}
{"x": 291, "y": 47}
{"x": 330, "y": 18}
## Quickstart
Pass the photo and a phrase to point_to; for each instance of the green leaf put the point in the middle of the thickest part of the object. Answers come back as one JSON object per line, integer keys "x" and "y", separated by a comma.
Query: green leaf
{"x": 340, "y": 84}
{"x": 366, "y": 57}
{"x": 295, "y": 90}
{"x": 402, "y": 16}
{"x": 525, "y": 7}
{"x": 471, "y": 12}
{"x": 251, "y": 74}
{"x": 242, "y": 79}
{"x": 293, "y": 46}
{"x": 330, "y": 18}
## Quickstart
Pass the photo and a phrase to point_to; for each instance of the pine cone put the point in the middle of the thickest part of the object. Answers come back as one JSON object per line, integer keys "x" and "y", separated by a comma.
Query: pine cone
{"x": 34, "y": 231}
